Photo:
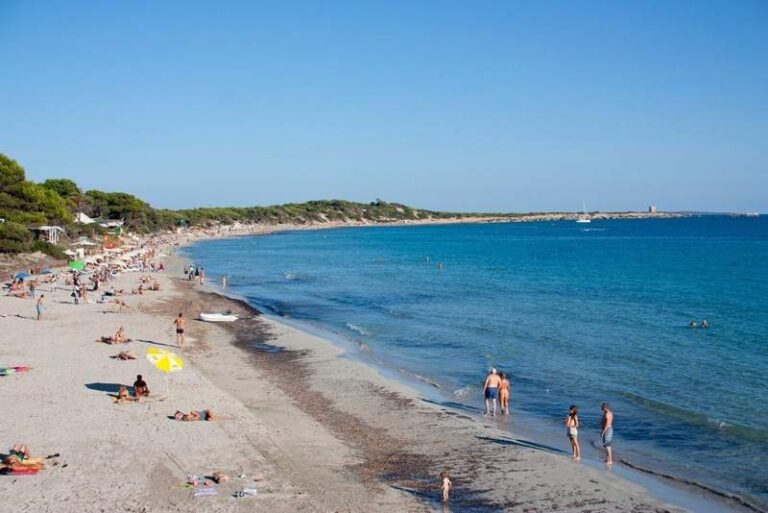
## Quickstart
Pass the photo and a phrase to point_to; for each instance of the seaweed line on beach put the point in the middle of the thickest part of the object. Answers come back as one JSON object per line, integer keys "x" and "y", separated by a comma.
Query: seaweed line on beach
{"x": 385, "y": 459}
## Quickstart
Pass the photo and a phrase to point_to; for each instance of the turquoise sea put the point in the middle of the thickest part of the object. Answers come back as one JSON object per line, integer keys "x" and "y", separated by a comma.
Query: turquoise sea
{"x": 575, "y": 313}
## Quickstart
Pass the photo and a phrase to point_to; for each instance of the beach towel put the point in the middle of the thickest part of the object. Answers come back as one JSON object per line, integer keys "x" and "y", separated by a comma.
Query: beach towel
{"x": 204, "y": 491}
{"x": 24, "y": 471}
{"x": 246, "y": 492}
{"x": 5, "y": 371}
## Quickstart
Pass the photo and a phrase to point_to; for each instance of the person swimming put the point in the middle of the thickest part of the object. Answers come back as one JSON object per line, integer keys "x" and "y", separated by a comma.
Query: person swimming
{"x": 693, "y": 325}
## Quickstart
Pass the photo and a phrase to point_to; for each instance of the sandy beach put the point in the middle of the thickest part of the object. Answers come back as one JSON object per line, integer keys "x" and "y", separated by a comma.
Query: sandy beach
{"x": 308, "y": 428}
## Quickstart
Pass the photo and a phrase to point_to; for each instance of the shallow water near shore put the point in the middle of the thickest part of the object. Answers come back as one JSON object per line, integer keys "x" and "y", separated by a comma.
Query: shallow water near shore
{"x": 574, "y": 314}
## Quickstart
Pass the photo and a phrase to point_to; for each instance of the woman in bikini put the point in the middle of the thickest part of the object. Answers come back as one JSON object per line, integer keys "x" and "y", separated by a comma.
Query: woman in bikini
{"x": 572, "y": 425}
{"x": 504, "y": 393}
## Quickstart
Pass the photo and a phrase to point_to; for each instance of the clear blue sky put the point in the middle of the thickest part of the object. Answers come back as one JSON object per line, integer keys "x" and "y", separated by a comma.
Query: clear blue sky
{"x": 495, "y": 106}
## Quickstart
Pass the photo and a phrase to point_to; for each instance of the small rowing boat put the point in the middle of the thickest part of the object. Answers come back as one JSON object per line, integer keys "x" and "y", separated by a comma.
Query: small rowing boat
{"x": 217, "y": 317}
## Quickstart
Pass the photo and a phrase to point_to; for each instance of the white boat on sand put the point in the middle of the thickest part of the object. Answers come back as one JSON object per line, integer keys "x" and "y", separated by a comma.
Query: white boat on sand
{"x": 217, "y": 317}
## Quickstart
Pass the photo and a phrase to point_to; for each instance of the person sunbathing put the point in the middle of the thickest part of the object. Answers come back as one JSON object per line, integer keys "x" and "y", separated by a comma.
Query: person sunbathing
{"x": 140, "y": 388}
{"x": 194, "y": 415}
{"x": 119, "y": 337}
{"x": 19, "y": 457}
{"x": 123, "y": 396}
{"x": 123, "y": 355}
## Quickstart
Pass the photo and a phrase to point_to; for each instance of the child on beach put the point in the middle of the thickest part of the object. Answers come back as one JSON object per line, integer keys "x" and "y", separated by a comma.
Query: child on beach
{"x": 572, "y": 425}
{"x": 446, "y": 485}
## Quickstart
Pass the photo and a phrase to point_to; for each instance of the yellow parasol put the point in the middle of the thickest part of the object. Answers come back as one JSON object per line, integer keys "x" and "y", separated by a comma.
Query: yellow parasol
{"x": 166, "y": 361}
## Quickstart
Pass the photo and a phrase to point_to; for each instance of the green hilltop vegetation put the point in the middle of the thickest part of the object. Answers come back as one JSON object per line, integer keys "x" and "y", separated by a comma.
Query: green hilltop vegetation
{"x": 25, "y": 205}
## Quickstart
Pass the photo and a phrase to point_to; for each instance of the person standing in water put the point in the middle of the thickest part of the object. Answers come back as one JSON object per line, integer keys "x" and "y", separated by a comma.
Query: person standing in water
{"x": 606, "y": 433}
{"x": 491, "y": 391}
{"x": 504, "y": 394}
{"x": 179, "y": 322}
{"x": 572, "y": 425}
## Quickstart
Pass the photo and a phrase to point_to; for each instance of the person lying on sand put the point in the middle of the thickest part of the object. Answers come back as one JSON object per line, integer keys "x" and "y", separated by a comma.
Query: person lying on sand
{"x": 123, "y": 396}
{"x": 203, "y": 415}
{"x": 19, "y": 459}
{"x": 123, "y": 355}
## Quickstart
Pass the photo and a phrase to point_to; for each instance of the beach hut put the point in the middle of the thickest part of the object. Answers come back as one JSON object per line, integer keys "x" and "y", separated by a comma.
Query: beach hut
{"x": 49, "y": 233}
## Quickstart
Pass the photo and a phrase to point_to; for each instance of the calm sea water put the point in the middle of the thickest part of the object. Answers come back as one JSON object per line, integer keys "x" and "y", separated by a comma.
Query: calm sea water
{"x": 576, "y": 314}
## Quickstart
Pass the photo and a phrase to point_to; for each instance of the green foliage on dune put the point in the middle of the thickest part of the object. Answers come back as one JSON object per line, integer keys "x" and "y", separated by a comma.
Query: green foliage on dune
{"x": 25, "y": 205}
{"x": 310, "y": 212}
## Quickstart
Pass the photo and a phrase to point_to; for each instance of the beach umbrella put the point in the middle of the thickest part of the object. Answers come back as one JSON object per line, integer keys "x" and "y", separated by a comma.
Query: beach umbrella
{"x": 166, "y": 361}
{"x": 21, "y": 275}
{"x": 77, "y": 265}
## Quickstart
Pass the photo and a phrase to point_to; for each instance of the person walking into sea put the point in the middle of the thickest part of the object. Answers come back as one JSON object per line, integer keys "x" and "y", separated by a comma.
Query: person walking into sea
{"x": 39, "y": 307}
{"x": 504, "y": 394}
{"x": 202, "y": 276}
{"x": 491, "y": 391}
{"x": 606, "y": 432}
{"x": 179, "y": 322}
{"x": 223, "y": 282}
{"x": 572, "y": 425}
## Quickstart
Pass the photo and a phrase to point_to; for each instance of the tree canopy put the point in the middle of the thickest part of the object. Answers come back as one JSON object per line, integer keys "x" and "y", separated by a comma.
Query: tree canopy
{"x": 25, "y": 204}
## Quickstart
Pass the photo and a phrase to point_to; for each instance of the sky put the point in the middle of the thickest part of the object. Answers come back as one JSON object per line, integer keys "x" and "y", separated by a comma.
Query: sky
{"x": 465, "y": 106}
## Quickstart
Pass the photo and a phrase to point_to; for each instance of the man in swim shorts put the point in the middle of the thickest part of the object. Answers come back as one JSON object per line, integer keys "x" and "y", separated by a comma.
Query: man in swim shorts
{"x": 179, "y": 322}
{"x": 490, "y": 391}
{"x": 606, "y": 432}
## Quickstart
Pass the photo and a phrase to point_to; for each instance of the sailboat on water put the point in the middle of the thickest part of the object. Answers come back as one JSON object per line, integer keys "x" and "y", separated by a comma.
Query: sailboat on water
{"x": 583, "y": 217}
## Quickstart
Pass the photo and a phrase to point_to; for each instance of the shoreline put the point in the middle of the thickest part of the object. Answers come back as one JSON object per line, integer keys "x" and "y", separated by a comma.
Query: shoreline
{"x": 313, "y": 429}
{"x": 677, "y": 491}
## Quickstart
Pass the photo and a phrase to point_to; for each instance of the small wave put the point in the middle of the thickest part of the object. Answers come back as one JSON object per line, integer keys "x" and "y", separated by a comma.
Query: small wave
{"x": 289, "y": 276}
{"x": 357, "y": 329}
{"x": 698, "y": 419}
{"x": 462, "y": 392}
{"x": 715, "y": 491}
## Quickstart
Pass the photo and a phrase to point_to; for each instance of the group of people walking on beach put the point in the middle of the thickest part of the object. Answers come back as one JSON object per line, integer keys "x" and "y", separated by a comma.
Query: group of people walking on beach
{"x": 496, "y": 388}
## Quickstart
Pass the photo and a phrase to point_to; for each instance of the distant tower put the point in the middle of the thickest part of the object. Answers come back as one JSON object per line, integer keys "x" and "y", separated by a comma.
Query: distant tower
{"x": 652, "y": 209}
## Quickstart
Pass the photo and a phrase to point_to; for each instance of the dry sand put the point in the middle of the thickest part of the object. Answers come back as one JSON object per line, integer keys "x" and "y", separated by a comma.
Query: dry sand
{"x": 311, "y": 430}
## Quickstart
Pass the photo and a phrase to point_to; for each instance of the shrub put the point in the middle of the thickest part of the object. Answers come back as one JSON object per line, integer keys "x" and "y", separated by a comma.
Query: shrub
{"x": 14, "y": 238}
{"x": 49, "y": 249}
